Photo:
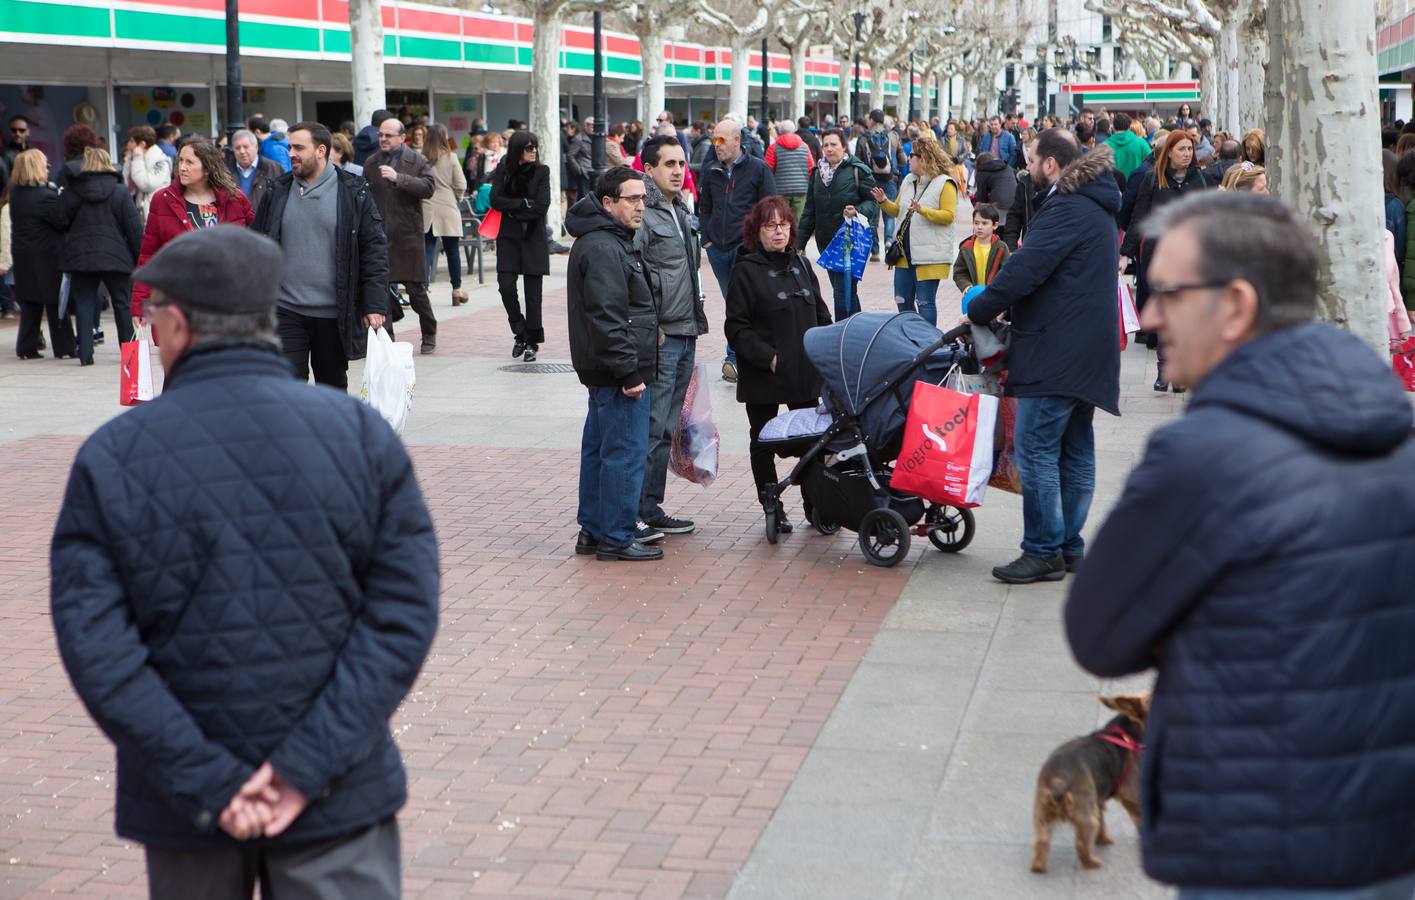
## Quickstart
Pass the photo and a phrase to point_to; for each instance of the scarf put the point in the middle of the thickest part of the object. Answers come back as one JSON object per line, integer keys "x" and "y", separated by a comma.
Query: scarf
{"x": 828, "y": 171}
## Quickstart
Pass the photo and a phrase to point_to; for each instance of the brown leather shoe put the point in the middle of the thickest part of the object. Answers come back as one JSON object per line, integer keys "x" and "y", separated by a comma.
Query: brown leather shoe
{"x": 459, "y": 297}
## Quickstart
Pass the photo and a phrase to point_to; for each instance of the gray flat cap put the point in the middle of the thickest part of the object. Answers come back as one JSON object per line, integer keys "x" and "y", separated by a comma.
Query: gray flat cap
{"x": 223, "y": 269}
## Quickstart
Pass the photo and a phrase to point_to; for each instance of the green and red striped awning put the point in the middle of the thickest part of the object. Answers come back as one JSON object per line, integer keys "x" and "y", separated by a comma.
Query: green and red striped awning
{"x": 1101, "y": 92}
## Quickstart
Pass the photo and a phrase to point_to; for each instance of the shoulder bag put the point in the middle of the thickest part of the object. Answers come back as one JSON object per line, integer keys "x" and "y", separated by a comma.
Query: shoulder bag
{"x": 895, "y": 251}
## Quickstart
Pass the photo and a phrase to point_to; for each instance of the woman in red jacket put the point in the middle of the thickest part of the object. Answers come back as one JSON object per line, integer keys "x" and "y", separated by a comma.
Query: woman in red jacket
{"x": 203, "y": 194}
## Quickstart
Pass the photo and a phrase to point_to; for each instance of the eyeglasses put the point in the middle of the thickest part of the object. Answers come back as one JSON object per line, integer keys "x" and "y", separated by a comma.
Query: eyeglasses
{"x": 632, "y": 199}
{"x": 776, "y": 226}
{"x": 719, "y": 141}
{"x": 385, "y": 135}
{"x": 17, "y": 130}
{"x": 1166, "y": 292}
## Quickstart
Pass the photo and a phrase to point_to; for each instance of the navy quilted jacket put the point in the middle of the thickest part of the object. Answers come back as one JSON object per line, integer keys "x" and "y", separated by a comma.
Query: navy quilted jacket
{"x": 244, "y": 569}
{"x": 1263, "y": 558}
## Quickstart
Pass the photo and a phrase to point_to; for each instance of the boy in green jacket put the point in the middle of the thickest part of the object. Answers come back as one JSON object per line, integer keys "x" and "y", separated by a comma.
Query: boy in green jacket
{"x": 980, "y": 256}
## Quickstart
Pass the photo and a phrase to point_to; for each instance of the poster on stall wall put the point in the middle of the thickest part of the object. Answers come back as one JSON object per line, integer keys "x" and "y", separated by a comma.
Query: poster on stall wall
{"x": 49, "y": 109}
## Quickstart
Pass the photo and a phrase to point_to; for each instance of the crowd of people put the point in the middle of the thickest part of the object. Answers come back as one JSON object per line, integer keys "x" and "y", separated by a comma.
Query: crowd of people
{"x": 1210, "y": 568}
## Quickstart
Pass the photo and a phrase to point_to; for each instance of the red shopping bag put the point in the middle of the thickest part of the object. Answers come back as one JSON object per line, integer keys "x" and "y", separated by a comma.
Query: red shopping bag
{"x": 947, "y": 453}
{"x": 490, "y": 225}
{"x": 1403, "y": 360}
{"x": 135, "y": 370}
{"x": 1005, "y": 476}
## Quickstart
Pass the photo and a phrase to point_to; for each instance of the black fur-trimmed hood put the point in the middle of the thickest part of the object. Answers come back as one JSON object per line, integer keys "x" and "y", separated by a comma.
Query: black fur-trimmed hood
{"x": 1090, "y": 176}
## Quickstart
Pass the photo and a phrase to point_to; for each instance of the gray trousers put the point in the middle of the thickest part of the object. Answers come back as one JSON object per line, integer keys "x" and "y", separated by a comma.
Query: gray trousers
{"x": 365, "y": 865}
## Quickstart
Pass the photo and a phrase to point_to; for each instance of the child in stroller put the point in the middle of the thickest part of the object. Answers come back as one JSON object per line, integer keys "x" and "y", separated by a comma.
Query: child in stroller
{"x": 869, "y": 364}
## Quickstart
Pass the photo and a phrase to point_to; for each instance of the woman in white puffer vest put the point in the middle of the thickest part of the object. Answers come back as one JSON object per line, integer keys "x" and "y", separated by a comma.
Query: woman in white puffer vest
{"x": 930, "y": 193}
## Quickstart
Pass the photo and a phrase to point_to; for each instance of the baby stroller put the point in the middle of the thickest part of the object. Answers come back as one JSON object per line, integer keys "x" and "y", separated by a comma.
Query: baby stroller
{"x": 869, "y": 364}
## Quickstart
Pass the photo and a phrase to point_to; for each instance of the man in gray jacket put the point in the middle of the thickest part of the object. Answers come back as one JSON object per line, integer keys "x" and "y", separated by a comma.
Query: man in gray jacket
{"x": 668, "y": 242}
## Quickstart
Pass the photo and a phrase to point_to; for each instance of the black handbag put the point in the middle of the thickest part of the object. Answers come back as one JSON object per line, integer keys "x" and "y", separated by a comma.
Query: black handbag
{"x": 895, "y": 251}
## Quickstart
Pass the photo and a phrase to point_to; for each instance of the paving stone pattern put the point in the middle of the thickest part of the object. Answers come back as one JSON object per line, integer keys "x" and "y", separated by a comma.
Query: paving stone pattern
{"x": 786, "y": 718}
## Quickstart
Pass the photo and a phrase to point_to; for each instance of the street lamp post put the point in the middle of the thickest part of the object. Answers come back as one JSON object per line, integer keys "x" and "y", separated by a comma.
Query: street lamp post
{"x": 909, "y": 105}
{"x": 235, "y": 100}
{"x": 765, "y": 74}
{"x": 601, "y": 103}
{"x": 855, "y": 82}
{"x": 1042, "y": 106}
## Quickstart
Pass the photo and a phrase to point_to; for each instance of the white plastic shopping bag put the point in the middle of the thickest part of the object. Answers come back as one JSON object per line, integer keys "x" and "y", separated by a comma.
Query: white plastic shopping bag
{"x": 1129, "y": 316}
{"x": 693, "y": 454}
{"x": 389, "y": 378}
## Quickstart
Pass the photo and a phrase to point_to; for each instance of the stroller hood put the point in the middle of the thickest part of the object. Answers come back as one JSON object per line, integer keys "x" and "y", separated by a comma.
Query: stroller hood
{"x": 857, "y": 356}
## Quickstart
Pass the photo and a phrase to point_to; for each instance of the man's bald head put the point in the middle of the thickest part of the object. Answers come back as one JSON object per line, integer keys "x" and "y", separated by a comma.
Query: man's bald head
{"x": 727, "y": 140}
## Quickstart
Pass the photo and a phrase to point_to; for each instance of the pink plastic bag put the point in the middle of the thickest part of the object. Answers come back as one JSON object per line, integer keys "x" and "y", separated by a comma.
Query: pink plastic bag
{"x": 696, "y": 445}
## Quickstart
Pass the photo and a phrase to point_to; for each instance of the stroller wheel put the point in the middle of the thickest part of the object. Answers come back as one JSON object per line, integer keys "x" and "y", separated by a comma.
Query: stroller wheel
{"x": 818, "y": 522}
{"x": 951, "y": 528}
{"x": 884, "y": 537}
{"x": 773, "y": 525}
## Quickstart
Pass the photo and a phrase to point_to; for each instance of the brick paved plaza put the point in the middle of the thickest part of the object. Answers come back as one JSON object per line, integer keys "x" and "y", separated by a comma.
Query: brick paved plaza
{"x": 738, "y": 720}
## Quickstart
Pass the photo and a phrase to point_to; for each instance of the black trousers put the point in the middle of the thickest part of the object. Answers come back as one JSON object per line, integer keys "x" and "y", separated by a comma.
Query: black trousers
{"x": 308, "y": 342}
{"x": 528, "y": 328}
{"x": 764, "y": 461}
{"x": 84, "y": 299}
{"x": 61, "y": 334}
{"x": 364, "y": 864}
{"x": 418, "y": 300}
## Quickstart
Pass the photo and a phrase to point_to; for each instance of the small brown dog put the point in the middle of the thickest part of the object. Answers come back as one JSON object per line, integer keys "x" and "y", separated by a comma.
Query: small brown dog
{"x": 1081, "y": 775}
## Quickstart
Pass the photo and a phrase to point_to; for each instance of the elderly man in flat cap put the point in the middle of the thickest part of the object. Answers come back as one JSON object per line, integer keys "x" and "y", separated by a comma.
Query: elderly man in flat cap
{"x": 244, "y": 582}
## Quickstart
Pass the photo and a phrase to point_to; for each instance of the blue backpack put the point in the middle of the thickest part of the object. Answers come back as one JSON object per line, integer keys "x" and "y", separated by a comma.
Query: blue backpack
{"x": 883, "y": 164}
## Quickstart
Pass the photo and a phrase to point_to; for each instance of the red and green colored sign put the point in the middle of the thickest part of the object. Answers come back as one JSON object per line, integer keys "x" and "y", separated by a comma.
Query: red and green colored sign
{"x": 414, "y": 34}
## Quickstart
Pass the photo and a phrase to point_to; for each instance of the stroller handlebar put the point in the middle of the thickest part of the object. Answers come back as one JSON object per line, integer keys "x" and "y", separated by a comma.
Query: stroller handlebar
{"x": 961, "y": 331}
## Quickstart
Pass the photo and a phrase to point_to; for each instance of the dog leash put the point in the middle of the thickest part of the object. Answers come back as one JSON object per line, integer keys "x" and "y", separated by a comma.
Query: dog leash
{"x": 1117, "y": 736}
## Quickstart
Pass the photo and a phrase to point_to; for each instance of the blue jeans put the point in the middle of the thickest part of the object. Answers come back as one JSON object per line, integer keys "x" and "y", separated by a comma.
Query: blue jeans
{"x": 1402, "y": 888}
{"x": 612, "y": 454}
{"x": 837, "y": 287}
{"x": 913, "y": 295}
{"x": 675, "y": 367}
{"x": 722, "y": 262}
{"x": 1056, "y": 457}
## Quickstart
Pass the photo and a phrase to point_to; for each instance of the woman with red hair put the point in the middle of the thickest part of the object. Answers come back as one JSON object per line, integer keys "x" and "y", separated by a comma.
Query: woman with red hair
{"x": 1175, "y": 175}
{"x": 773, "y": 298}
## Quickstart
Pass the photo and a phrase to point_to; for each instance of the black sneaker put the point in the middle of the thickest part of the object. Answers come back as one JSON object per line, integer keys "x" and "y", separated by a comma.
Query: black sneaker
{"x": 1072, "y": 562}
{"x": 98, "y": 337}
{"x": 530, "y": 354}
{"x": 635, "y": 552}
{"x": 585, "y": 545}
{"x": 1026, "y": 569}
{"x": 670, "y": 525}
{"x": 557, "y": 247}
{"x": 517, "y": 349}
{"x": 645, "y": 533}
{"x": 429, "y": 346}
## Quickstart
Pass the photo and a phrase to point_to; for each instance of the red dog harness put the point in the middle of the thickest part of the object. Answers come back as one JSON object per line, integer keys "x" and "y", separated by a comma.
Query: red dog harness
{"x": 1118, "y": 736}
